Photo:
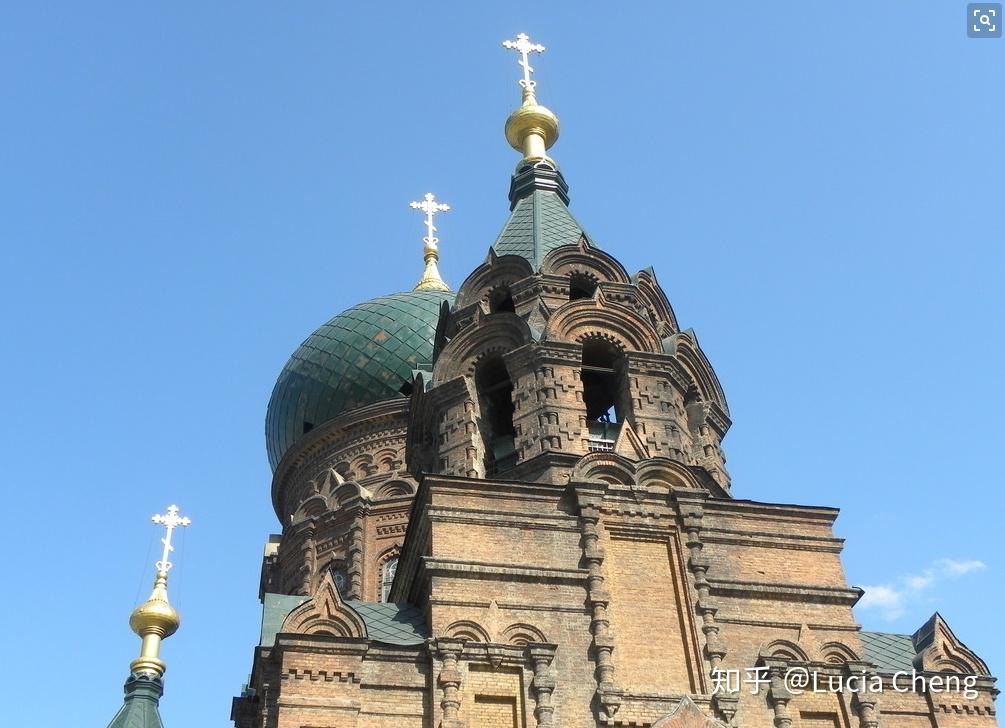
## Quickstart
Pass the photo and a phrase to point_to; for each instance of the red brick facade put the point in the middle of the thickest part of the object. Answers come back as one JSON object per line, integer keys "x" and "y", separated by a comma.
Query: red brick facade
{"x": 557, "y": 500}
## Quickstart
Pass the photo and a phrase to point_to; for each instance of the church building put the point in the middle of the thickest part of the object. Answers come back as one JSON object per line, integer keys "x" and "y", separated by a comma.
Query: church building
{"x": 508, "y": 506}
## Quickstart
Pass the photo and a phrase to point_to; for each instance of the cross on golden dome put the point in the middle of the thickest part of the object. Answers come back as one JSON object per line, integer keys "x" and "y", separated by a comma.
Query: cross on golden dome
{"x": 171, "y": 521}
{"x": 524, "y": 47}
{"x": 155, "y": 619}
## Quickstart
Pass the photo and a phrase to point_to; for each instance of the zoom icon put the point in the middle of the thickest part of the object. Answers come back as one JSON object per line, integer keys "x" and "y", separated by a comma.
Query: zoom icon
{"x": 984, "y": 20}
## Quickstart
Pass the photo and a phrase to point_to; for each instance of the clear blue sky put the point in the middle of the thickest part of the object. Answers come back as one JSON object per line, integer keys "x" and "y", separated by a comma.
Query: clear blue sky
{"x": 189, "y": 189}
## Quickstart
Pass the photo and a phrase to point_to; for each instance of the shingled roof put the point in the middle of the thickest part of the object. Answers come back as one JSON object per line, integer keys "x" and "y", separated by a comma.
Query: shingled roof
{"x": 139, "y": 709}
{"x": 539, "y": 220}
{"x": 889, "y": 652}
{"x": 394, "y": 624}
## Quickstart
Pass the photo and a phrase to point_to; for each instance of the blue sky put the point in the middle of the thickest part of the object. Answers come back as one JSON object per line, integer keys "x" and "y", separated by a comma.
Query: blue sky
{"x": 189, "y": 189}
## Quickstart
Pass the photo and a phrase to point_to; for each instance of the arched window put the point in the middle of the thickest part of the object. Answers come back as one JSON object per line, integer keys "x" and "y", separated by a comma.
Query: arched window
{"x": 387, "y": 572}
{"x": 341, "y": 580}
{"x": 495, "y": 398}
{"x": 340, "y": 576}
{"x": 603, "y": 382}
{"x": 581, "y": 286}
{"x": 605, "y": 394}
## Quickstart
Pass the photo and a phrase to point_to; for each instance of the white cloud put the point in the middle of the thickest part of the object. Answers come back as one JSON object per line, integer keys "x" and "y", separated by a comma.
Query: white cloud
{"x": 886, "y": 598}
{"x": 959, "y": 568}
{"x": 920, "y": 582}
{"x": 892, "y": 599}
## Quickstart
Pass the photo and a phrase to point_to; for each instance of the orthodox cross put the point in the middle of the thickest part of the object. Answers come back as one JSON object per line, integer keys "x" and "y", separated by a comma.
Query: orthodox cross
{"x": 524, "y": 47}
{"x": 430, "y": 206}
{"x": 170, "y": 522}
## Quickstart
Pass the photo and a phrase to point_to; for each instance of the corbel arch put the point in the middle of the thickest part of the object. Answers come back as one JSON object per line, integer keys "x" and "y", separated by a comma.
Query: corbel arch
{"x": 786, "y": 650}
{"x": 466, "y": 629}
{"x": 684, "y": 347}
{"x": 325, "y": 613}
{"x": 386, "y": 459}
{"x": 394, "y": 489}
{"x": 347, "y": 491}
{"x": 522, "y": 634}
{"x": 604, "y": 467}
{"x": 496, "y": 334}
{"x": 656, "y": 299}
{"x": 599, "y": 317}
{"x": 585, "y": 259}
{"x": 837, "y": 653}
{"x": 665, "y": 473}
{"x": 313, "y": 507}
{"x": 496, "y": 271}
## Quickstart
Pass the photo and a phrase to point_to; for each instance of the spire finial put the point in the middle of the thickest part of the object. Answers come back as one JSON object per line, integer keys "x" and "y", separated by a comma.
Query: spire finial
{"x": 155, "y": 619}
{"x": 431, "y": 279}
{"x": 531, "y": 129}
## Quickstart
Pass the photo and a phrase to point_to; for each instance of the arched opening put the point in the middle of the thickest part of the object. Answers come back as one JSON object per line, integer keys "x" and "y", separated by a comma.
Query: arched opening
{"x": 387, "y": 571}
{"x": 340, "y": 576}
{"x": 501, "y": 299}
{"x": 695, "y": 408}
{"x": 605, "y": 395}
{"x": 581, "y": 286}
{"x": 495, "y": 398}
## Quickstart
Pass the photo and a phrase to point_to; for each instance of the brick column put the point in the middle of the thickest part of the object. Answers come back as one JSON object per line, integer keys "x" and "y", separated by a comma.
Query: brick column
{"x": 449, "y": 680}
{"x": 308, "y": 557}
{"x": 354, "y": 556}
{"x": 598, "y": 600}
{"x": 692, "y": 515}
{"x": 543, "y": 683}
{"x": 780, "y": 697}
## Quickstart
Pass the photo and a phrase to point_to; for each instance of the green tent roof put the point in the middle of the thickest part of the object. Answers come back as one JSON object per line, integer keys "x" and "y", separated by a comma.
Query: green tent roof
{"x": 139, "y": 709}
{"x": 539, "y": 219}
{"x": 539, "y": 223}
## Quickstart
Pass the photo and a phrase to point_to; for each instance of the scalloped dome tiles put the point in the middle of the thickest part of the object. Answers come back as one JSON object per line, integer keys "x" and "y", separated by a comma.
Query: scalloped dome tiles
{"x": 359, "y": 357}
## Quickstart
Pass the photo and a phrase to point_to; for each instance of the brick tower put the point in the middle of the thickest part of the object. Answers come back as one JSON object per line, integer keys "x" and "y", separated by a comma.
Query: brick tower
{"x": 510, "y": 507}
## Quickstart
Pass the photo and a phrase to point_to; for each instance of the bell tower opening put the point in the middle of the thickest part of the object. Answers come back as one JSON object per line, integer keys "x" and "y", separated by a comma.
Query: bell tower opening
{"x": 495, "y": 398}
{"x": 604, "y": 392}
{"x": 501, "y": 300}
{"x": 581, "y": 286}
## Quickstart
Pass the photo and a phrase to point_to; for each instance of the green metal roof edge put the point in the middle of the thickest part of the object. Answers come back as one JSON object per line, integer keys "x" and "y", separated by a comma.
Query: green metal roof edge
{"x": 890, "y": 652}
{"x": 546, "y": 208}
{"x": 139, "y": 708}
{"x": 387, "y": 622}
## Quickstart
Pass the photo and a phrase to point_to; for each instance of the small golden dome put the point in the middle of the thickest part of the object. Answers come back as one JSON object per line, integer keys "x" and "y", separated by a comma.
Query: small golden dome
{"x": 155, "y": 615}
{"x": 531, "y": 118}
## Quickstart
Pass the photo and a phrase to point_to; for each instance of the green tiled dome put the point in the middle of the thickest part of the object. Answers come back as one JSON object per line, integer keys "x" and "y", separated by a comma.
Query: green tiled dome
{"x": 361, "y": 356}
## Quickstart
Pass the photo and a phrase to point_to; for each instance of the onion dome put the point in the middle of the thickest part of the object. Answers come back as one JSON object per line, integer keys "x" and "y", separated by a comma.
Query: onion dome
{"x": 364, "y": 355}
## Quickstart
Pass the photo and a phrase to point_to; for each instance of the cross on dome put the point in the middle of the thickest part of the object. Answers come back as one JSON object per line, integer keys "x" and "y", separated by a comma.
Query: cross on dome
{"x": 171, "y": 521}
{"x": 431, "y": 279}
{"x": 524, "y": 47}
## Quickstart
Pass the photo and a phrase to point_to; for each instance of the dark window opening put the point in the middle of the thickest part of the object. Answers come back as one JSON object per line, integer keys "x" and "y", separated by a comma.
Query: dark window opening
{"x": 308, "y": 426}
{"x": 387, "y": 572}
{"x": 495, "y": 397}
{"x": 340, "y": 576}
{"x": 501, "y": 300}
{"x": 581, "y": 286}
{"x": 406, "y": 389}
{"x": 603, "y": 390}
